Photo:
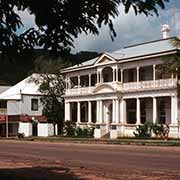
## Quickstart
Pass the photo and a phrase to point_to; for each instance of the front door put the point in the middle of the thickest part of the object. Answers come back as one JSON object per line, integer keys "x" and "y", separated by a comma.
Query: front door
{"x": 34, "y": 129}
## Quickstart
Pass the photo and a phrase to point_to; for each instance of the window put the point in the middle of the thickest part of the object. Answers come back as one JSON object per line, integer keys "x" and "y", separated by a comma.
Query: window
{"x": 143, "y": 111}
{"x": 34, "y": 104}
{"x": 162, "y": 113}
{"x": 3, "y": 104}
{"x": 93, "y": 79}
{"x": 131, "y": 75}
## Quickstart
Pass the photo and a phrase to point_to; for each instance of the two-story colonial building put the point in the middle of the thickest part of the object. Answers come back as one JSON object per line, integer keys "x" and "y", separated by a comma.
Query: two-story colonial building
{"x": 21, "y": 110}
{"x": 117, "y": 91}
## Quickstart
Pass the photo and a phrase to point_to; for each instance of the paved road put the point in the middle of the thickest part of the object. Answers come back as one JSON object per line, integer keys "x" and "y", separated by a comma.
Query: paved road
{"x": 107, "y": 157}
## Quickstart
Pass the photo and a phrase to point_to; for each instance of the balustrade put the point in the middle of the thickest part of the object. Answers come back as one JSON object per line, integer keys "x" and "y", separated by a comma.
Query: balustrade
{"x": 141, "y": 85}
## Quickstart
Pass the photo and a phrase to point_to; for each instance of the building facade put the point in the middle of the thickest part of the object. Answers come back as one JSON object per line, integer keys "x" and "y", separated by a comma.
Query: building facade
{"x": 118, "y": 91}
{"x": 21, "y": 111}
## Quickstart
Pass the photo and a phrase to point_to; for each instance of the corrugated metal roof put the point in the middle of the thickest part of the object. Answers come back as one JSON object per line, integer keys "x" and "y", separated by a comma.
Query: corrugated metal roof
{"x": 138, "y": 50}
{"x": 144, "y": 49}
{"x": 4, "y": 88}
{"x": 26, "y": 86}
{"x": 85, "y": 63}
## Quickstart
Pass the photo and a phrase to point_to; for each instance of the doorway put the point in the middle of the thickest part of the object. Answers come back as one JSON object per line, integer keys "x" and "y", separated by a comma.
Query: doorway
{"x": 34, "y": 129}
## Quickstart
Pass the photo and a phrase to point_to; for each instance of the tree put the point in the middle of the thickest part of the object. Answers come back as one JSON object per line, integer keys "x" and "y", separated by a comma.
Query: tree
{"x": 58, "y": 22}
{"x": 172, "y": 66}
{"x": 51, "y": 85}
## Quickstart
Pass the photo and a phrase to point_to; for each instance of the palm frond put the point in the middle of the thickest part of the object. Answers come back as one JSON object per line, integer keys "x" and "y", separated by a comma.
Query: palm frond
{"x": 176, "y": 42}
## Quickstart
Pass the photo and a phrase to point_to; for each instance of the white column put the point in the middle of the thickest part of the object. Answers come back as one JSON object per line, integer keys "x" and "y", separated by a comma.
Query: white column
{"x": 176, "y": 76}
{"x": 121, "y": 75}
{"x": 79, "y": 81}
{"x": 113, "y": 111}
{"x": 137, "y": 70}
{"x": 117, "y": 111}
{"x": 172, "y": 76}
{"x": 89, "y": 80}
{"x": 114, "y": 75}
{"x": 123, "y": 111}
{"x": 68, "y": 83}
{"x": 100, "y": 111}
{"x": 97, "y": 77}
{"x": 7, "y": 126}
{"x": 174, "y": 110}
{"x": 154, "y": 72}
{"x": 67, "y": 111}
{"x": 154, "y": 110}
{"x": 101, "y": 78}
{"x": 117, "y": 75}
{"x": 138, "y": 111}
{"x": 97, "y": 111}
{"x": 89, "y": 112}
{"x": 78, "y": 112}
{"x": 137, "y": 73}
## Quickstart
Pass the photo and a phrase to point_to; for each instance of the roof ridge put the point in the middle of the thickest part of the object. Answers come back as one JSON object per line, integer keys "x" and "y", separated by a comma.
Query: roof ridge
{"x": 147, "y": 42}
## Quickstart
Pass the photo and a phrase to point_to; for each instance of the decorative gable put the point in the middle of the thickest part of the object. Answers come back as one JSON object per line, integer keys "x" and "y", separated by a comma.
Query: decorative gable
{"x": 104, "y": 58}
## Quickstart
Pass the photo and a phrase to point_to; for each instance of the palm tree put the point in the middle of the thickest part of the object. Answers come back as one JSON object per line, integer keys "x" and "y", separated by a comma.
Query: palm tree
{"x": 172, "y": 66}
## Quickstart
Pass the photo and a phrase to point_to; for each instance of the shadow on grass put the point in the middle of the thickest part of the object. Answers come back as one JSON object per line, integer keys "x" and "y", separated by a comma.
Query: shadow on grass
{"x": 38, "y": 173}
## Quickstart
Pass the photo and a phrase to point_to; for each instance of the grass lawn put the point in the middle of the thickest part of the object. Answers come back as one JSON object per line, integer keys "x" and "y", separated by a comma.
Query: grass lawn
{"x": 120, "y": 141}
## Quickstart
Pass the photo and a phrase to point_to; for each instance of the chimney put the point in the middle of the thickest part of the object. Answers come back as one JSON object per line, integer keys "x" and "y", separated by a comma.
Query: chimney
{"x": 165, "y": 31}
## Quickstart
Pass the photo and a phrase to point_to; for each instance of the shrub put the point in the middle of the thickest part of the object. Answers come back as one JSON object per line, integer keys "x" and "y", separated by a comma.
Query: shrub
{"x": 69, "y": 128}
{"x": 146, "y": 130}
{"x": 143, "y": 131}
{"x": 157, "y": 130}
{"x": 21, "y": 135}
{"x": 85, "y": 132}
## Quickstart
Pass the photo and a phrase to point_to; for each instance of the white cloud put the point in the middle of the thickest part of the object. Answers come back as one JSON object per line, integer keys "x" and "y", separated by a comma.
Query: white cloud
{"x": 130, "y": 29}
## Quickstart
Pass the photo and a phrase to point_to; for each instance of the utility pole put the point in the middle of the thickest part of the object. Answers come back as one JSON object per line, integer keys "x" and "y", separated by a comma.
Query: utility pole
{"x": 7, "y": 127}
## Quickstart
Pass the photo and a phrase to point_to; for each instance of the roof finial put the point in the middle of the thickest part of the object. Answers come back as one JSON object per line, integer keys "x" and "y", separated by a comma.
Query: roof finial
{"x": 165, "y": 31}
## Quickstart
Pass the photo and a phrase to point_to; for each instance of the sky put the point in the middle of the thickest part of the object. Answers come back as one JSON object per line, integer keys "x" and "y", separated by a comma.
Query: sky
{"x": 130, "y": 29}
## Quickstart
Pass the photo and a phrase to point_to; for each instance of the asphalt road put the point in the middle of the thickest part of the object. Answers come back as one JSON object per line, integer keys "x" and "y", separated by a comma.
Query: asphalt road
{"x": 111, "y": 158}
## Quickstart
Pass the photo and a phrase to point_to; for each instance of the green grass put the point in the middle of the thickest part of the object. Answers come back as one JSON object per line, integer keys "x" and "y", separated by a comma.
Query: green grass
{"x": 120, "y": 141}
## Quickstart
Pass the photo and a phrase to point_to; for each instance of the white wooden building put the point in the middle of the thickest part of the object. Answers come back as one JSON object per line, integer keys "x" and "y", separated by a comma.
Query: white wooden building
{"x": 21, "y": 110}
{"x": 117, "y": 91}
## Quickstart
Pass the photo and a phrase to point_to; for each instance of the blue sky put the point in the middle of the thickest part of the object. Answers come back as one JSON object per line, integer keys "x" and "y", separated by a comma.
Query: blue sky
{"x": 130, "y": 29}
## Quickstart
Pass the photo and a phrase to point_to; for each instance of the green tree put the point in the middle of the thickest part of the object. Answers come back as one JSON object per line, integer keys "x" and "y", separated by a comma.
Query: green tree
{"x": 58, "y": 22}
{"x": 171, "y": 65}
{"x": 51, "y": 85}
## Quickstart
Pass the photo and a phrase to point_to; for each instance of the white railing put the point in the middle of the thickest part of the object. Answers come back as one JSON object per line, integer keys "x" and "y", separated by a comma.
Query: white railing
{"x": 3, "y": 111}
{"x": 129, "y": 86}
{"x": 132, "y": 86}
{"x": 82, "y": 90}
{"x": 161, "y": 83}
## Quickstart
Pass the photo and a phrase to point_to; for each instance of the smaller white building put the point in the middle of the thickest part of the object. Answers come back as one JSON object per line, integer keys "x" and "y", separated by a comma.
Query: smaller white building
{"x": 21, "y": 110}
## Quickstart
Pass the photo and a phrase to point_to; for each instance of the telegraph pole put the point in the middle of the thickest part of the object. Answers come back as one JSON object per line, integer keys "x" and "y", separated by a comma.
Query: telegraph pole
{"x": 7, "y": 127}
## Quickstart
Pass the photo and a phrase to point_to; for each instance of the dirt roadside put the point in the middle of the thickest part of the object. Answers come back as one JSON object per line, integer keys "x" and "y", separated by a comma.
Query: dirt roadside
{"x": 68, "y": 161}
{"x": 20, "y": 168}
